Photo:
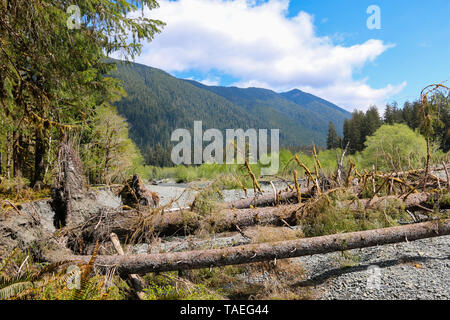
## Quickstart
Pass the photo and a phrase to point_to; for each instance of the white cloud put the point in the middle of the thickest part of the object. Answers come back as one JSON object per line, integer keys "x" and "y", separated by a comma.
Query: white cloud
{"x": 210, "y": 81}
{"x": 258, "y": 44}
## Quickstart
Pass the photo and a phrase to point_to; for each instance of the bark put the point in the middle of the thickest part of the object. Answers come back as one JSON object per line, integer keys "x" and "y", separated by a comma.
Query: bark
{"x": 266, "y": 200}
{"x": 17, "y": 154}
{"x": 39, "y": 154}
{"x": 142, "y": 264}
{"x": 69, "y": 191}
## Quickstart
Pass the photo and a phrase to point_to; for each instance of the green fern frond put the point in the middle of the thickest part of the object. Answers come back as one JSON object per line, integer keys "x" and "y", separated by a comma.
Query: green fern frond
{"x": 82, "y": 292}
{"x": 14, "y": 289}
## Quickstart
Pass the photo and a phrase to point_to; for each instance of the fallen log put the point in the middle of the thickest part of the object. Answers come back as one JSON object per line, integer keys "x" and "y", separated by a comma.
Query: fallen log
{"x": 414, "y": 172}
{"x": 134, "y": 226}
{"x": 415, "y": 200}
{"x": 142, "y": 264}
{"x": 266, "y": 200}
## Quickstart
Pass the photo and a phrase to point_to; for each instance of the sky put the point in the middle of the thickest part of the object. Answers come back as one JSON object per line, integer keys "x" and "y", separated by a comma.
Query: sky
{"x": 334, "y": 49}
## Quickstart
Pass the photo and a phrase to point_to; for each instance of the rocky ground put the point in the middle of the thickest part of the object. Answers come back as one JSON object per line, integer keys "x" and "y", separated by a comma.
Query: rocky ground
{"x": 413, "y": 270}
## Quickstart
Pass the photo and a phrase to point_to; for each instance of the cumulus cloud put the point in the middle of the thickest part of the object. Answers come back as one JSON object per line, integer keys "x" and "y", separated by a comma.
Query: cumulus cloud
{"x": 259, "y": 45}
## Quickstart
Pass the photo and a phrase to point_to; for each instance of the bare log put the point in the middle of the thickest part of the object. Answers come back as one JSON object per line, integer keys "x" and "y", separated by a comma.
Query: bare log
{"x": 141, "y": 226}
{"x": 265, "y": 200}
{"x": 413, "y": 172}
{"x": 379, "y": 203}
{"x": 142, "y": 264}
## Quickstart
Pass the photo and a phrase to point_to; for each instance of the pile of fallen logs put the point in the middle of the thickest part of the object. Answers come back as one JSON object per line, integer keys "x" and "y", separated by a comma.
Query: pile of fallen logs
{"x": 81, "y": 223}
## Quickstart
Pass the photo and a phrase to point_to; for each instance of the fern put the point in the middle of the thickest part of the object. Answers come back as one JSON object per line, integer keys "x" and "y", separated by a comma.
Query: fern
{"x": 14, "y": 286}
{"x": 14, "y": 289}
{"x": 83, "y": 291}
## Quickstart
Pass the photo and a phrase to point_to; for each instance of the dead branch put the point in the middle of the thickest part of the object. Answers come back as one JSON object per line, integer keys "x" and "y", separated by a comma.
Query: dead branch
{"x": 136, "y": 280}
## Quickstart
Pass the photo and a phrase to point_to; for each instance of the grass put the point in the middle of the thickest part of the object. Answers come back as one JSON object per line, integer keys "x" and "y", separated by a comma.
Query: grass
{"x": 262, "y": 280}
{"x": 326, "y": 217}
{"x": 17, "y": 190}
{"x": 262, "y": 234}
{"x": 169, "y": 286}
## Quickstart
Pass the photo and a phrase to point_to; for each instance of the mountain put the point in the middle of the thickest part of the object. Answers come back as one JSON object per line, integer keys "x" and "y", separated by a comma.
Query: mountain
{"x": 310, "y": 112}
{"x": 158, "y": 103}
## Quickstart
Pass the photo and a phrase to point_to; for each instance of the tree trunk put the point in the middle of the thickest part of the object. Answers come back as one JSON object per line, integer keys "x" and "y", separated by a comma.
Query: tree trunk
{"x": 39, "y": 154}
{"x": 142, "y": 264}
{"x": 266, "y": 200}
{"x": 8, "y": 156}
{"x": 17, "y": 154}
{"x": 69, "y": 191}
{"x": 381, "y": 203}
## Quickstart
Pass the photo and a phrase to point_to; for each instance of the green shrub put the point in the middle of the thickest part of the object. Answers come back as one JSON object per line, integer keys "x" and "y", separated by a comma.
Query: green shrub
{"x": 394, "y": 147}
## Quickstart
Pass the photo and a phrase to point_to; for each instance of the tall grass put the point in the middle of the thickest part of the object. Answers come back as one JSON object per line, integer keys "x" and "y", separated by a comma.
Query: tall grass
{"x": 231, "y": 173}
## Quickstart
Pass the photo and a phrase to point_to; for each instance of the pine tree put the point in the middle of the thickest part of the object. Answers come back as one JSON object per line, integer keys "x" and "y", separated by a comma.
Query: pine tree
{"x": 388, "y": 115}
{"x": 333, "y": 140}
{"x": 372, "y": 121}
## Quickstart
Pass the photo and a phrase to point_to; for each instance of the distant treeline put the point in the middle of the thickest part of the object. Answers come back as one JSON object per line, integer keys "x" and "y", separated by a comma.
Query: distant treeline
{"x": 361, "y": 125}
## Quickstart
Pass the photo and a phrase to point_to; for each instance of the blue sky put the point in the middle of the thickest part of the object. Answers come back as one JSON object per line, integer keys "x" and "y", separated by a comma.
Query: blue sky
{"x": 320, "y": 46}
{"x": 419, "y": 29}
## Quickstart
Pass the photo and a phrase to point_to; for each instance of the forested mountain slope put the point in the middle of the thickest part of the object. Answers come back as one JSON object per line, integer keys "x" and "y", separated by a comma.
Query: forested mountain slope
{"x": 158, "y": 103}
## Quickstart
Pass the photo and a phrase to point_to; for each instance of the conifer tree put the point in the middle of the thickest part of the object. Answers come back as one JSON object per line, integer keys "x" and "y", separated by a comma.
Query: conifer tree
{"x": 333, "y": 139}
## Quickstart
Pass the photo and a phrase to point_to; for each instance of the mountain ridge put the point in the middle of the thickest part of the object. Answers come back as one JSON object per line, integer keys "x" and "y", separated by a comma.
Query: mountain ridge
{"x": 158, "y": 103}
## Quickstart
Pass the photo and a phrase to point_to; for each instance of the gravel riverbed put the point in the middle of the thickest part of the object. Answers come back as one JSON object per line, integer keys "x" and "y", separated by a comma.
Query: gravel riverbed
{"x": 412, "y": 270}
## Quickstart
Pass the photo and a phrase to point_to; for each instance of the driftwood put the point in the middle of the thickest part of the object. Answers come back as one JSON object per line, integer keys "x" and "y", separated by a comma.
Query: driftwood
{"x": 142, "y": 264}
{"x": 416, "y": 172}
{"x": 141, "y": 226}
{"x": 413, "y": 201}
{"x": 134, "y": 194}
{"x": 266, "y": 200}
